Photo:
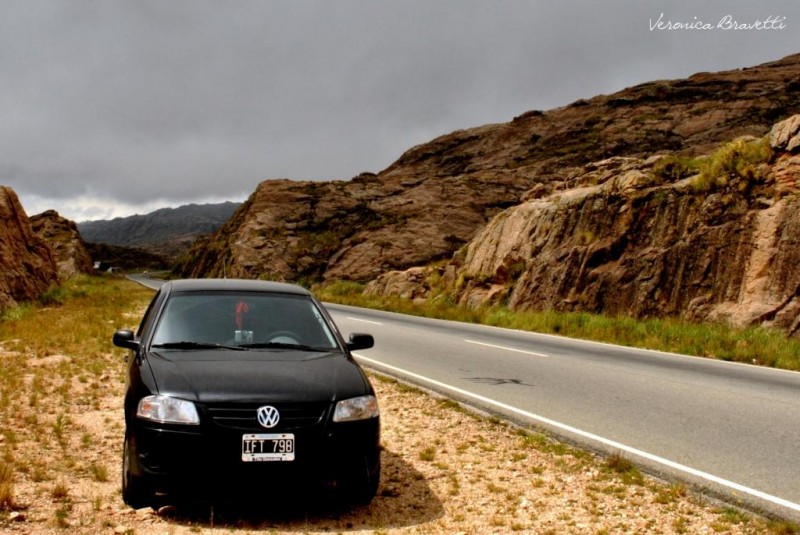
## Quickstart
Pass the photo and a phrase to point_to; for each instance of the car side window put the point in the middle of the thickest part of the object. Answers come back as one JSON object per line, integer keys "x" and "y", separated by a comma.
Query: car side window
{"x": 149, "y": 315}
{"x": 323, "y": 325}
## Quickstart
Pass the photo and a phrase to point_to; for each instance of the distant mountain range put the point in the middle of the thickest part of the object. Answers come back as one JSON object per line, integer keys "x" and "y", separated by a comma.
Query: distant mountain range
{"x": 168, "y": 231}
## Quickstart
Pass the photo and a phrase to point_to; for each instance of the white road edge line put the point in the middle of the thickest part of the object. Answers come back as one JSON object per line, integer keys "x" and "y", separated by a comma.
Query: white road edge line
{"x": 585, "y": 434}
{"x": 508, "y": 348}
{"x": 365, "y": 321}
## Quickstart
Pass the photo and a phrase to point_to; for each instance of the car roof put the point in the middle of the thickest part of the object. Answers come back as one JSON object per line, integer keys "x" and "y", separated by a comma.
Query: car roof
{"x": 241, "y": 285}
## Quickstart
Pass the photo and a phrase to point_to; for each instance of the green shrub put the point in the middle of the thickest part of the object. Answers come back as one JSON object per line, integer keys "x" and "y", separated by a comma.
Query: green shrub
{"x": 740, "y": 159}
{"x": 624, "y": 469}
{"x": 54, "y": 296}
{"x": 15, "y": 313}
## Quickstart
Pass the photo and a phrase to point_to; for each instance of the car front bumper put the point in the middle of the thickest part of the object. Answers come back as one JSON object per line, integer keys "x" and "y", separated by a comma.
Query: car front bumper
{"x": 206, "y": 462}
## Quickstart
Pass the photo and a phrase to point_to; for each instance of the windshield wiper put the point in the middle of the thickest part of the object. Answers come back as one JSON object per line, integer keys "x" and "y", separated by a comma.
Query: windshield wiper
{"x": 283, "y": 345}
{"x": 197, "y": 345}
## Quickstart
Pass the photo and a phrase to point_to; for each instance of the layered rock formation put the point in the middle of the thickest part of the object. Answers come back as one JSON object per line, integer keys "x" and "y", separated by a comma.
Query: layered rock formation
{"x": 27, "y": 265}
{"x": 356, "y": 230}
{"x": 625, "y": 241}
{"x": 67, "y": 245}
{"x": 583, "y": 207}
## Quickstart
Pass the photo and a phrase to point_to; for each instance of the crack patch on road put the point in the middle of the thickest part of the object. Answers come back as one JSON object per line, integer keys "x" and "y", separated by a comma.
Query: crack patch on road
{"x": 497, "y": 381}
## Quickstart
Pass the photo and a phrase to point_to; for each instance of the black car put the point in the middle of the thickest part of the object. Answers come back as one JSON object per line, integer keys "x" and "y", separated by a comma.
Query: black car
{"x": 239, "y": 387}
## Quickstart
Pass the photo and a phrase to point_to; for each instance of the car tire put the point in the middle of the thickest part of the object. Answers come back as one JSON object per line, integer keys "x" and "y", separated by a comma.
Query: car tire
{"x": 361, "y": 485}
{"x": 134, "y": 490}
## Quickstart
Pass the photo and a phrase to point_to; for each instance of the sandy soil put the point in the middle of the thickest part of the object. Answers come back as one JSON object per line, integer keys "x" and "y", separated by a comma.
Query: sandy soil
{"x": 445, "y": 470}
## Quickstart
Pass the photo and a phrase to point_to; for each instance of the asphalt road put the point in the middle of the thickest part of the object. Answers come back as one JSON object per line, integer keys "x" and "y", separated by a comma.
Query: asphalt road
{"x": 732, "y": 428}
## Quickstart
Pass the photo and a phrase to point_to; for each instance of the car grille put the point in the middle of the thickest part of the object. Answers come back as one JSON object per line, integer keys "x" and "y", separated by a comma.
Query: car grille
{"x": 292, "y": 416}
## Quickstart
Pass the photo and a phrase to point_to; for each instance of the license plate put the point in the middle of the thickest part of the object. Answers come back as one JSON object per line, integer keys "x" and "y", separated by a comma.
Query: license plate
{"x": 268, "y": 447}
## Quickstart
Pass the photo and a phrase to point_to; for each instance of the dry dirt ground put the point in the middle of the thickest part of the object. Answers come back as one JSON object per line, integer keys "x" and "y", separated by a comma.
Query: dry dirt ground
{"x": 445, "y": 470}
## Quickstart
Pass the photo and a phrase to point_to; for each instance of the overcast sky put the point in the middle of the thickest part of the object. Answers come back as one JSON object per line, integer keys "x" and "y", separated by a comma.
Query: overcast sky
{"x": 109, "y": 108}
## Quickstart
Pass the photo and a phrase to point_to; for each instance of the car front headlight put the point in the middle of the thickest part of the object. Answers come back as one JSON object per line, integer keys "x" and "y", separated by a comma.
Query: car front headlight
{"x": 360, "y": 408}
{"x": 167, "y": 410}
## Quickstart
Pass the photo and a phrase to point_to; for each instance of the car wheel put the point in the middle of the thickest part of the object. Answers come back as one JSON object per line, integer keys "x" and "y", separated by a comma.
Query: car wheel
{"x": 361, "y": 485}
{"x": 134, "y": 489}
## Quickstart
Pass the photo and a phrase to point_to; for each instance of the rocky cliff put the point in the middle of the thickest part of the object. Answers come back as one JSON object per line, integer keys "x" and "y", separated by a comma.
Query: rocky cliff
{"x": 621, "y": 203}
{"x": 67, "y": 245}
{"x": 437, "y": 196}
{"x": 717, "y": 241}
{"x": 710, "y": 238}
{"x": 27, "y": 265}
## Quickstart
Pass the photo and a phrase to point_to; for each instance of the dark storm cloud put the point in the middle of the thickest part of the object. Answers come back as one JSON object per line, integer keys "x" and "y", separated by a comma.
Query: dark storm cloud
{"x": 108, "y": 102}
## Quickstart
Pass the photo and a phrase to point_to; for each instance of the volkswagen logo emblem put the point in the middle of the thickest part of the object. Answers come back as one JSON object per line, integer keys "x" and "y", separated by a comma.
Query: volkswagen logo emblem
{"x": 268, "y": 416}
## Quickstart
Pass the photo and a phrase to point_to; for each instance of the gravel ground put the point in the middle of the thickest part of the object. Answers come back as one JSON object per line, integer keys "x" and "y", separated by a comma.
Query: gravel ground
{"x": 445, "y": 470}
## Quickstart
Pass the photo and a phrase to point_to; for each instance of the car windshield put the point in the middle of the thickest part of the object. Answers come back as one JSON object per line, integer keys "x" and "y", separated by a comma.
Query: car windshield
{"x": 250, "y": 320}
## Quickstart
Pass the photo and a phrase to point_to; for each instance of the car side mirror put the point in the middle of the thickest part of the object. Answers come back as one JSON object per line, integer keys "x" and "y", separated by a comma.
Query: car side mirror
{"x": 360, "y": 341}
{"x": 126, "y": 338}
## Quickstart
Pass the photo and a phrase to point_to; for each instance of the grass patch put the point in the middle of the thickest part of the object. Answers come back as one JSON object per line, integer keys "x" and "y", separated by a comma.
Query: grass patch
{"x": 99, "y": 472}
{"x": 783, "y": 527}
{"x": 6, "y": 486}
{"x": 343, "y": 287}
{"x": 54, "y": 296}
{"x": 57, "y": 366}
{"x": 739, "y": 159}
{"x": 60, "y": 492}
{"x": 81, "y": 326}
{"x": 671, "y": 494}
{"x": 673, "y": 168}
{"x": 428, "y": 454}
{"x": 622, "y": 467}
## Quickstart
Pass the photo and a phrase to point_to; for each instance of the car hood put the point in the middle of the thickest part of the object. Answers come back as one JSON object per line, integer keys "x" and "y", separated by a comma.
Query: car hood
{"x": 261, "y": 376}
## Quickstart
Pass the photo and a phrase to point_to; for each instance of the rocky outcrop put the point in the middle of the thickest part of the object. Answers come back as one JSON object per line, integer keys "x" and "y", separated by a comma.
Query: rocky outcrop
{"x": 67, "y": 245}
{"x": 630, "y": 240}
{"x": 27, "y": 265}
{"x": 785, "y": 135}
{"x": 438, "y": 195}
{"x": 352, "y": 230}
{"x": 412, "y": 284}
